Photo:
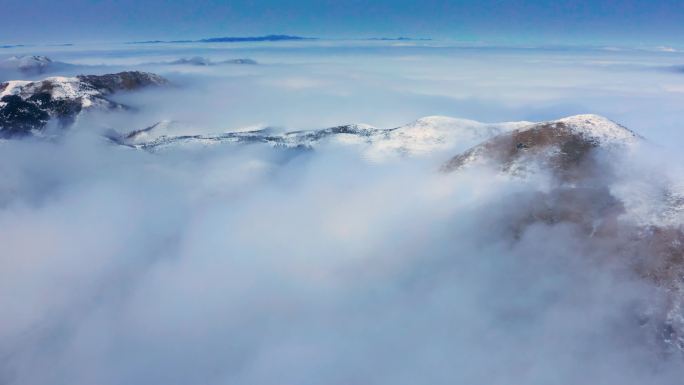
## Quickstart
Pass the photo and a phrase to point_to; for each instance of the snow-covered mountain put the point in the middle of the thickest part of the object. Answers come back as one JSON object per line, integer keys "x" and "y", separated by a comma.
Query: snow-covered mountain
{"x": 30, "y": 64}
{"x": 564, "y": 146}
{"x": 436, "y": 134}
{"x": 593, "y": 190}
{"x": 424, "y": 136}
{"x": 27, "y": 106}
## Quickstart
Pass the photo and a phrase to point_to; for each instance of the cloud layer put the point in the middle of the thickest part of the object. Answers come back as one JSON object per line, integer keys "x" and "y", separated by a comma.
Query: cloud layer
{"x": 254, "y": 265}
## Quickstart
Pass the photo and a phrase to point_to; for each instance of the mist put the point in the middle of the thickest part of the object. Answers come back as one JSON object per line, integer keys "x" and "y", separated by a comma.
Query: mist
{"x": 249, "y": 264}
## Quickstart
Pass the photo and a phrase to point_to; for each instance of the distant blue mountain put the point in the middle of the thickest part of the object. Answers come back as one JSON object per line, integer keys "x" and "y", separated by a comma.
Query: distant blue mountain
{"x": 161, "y": 41}
{"x": 253, "y": 38}
{"x": 229, "y": 39}
{"x": 401, "y": 38}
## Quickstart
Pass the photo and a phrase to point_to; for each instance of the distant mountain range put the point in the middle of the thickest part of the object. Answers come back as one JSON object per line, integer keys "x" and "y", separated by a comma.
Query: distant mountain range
{"x": 401, "y": 38}
{"x": 271, "y": 38}
{"x": 203, "y": 61}
{"x": 229, "y": 39}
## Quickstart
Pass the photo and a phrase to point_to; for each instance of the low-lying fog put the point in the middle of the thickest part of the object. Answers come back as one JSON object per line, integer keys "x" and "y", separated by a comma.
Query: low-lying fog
{"x": 236, "y": 264}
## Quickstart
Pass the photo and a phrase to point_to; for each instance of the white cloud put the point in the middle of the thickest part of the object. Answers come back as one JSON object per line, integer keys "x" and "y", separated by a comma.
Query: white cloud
{"x": 245, "y": 264}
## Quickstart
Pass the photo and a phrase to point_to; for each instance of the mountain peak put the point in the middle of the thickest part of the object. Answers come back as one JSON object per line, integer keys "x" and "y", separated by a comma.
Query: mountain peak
{"x": 564, "y": 146}
{"x": 599, "y": 128}
{"x": 30, "y": 64}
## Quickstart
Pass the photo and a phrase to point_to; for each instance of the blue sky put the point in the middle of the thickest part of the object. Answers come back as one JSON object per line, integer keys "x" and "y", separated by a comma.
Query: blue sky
{"x": 517, "y": 21}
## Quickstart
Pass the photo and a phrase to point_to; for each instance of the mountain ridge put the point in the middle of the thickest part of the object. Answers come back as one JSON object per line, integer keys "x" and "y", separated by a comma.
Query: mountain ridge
{"x": 230, "y": 39}
{"x": 563, "y": 145}
{"x": 26, "y": 107}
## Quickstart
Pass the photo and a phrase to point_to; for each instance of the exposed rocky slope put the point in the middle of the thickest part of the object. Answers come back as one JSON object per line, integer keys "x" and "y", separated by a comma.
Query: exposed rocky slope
{"x": 27, "y": 106}
{"x": 565, "y": 146}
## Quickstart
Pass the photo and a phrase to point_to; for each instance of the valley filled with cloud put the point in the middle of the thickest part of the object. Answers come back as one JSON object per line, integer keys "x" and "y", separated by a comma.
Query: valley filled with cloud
{"x": 341, "y": 212}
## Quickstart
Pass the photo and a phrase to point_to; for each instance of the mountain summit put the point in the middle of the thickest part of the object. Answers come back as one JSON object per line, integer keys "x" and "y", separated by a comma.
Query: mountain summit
{"x": 564, "y": 146}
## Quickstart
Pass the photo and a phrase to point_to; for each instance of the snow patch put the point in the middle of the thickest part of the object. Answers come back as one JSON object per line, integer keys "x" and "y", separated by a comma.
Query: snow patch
{"x": 600, "y": 129}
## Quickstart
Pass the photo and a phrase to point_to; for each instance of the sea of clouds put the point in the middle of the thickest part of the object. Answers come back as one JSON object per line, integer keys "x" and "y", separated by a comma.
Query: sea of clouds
{"x": 251, "y": 265}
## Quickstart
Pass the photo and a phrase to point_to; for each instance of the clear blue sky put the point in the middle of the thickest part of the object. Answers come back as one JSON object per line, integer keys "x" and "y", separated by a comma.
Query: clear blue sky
{"x": 561, "y": 21}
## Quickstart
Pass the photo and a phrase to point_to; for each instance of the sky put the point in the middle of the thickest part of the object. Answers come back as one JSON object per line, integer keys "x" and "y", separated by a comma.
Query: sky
{"x": 516, "y": 21}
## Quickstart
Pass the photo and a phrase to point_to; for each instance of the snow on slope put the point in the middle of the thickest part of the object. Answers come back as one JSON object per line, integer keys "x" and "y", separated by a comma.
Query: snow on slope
{"x": 425, "y": 136}
{"x": 436, "y": 133}
{"x": 600, "y": 129}
{"x": 422, "y": 137}
{"x": 59, "y": 88}
{"x": 12, "y": 87}
{"x": 26, "y": 107}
